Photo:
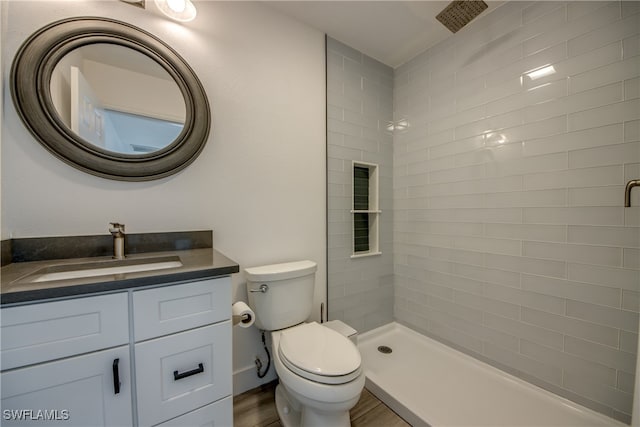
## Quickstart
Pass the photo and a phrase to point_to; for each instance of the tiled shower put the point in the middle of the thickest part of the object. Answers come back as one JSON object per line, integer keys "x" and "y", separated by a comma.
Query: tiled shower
{"x": 503, "y": 153}
{"x": 359, "y": 113}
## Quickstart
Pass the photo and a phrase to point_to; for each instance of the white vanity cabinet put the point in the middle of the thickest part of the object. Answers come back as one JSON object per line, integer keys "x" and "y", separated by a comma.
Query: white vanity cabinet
{"x": 154, "y": 356}
{"x": 55, "y": 368}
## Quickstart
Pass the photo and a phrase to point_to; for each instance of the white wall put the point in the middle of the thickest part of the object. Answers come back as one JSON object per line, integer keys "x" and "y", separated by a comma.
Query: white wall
{"x": 135, "y": 92}
{"x": 260, "y": 181}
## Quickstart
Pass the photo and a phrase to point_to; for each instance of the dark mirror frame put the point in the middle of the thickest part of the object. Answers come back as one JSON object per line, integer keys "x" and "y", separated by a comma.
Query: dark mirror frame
{"x": 30, "y": 88}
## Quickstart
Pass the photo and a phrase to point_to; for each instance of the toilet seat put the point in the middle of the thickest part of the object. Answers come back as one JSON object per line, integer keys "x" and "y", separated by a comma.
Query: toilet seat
{"x": 319, "y": 354}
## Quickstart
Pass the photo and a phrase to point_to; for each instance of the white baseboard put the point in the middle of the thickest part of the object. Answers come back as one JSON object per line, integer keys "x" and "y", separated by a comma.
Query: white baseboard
{"x": 246, "y": 378}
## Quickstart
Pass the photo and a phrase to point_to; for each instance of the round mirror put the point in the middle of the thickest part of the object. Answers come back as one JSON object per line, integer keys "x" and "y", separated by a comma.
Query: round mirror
{"x": 110, "y": 99}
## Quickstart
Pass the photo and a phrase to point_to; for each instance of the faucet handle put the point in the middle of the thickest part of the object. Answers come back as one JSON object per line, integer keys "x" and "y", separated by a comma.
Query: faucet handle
{"x": 116, "y": 227}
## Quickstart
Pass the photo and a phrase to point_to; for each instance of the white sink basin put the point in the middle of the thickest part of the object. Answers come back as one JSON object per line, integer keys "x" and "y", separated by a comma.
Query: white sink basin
{"x": 103, "y": 268}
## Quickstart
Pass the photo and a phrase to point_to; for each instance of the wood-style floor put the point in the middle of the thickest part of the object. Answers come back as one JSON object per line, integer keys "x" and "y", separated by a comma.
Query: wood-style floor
{"x": 257, "y": 408}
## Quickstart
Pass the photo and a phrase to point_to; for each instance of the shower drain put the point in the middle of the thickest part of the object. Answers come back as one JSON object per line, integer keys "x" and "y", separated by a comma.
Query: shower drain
{"x": 384, "y": 349}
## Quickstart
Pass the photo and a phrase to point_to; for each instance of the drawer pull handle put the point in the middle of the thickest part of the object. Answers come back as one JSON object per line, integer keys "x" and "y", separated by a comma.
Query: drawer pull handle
{"x": 116, "y": 376}
{"x": 178, "y": 376}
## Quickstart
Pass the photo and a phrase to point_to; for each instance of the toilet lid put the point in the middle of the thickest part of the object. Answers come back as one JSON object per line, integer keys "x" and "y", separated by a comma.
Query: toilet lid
{"x": 320, "y": 354}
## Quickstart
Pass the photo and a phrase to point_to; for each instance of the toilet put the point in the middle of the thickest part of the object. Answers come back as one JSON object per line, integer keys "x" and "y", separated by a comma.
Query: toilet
{"x": 319, "y": 368}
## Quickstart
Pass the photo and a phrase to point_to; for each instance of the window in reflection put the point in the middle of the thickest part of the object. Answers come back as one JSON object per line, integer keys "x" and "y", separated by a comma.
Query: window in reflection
{"x": 149, "y": 134}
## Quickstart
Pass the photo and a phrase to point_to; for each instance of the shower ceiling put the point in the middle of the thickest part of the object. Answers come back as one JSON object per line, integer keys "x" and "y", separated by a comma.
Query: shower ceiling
{"x": 390, "y": 31}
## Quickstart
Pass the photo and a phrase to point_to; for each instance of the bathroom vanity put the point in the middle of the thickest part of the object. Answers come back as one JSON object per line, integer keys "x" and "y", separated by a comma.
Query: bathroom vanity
{"x": 139, "y": 348}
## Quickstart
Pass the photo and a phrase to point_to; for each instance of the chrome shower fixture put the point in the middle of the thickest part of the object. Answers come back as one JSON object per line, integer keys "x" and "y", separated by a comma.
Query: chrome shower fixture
{"x": 459, "y": 13}
{"x": 627, "y": 191}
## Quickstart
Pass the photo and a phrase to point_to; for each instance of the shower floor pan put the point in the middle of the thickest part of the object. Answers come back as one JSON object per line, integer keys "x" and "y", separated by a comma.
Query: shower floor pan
{"x": 430, "y": 384}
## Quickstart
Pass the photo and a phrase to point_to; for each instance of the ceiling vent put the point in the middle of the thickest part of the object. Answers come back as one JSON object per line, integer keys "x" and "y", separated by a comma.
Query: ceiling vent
{"x": 459, "y": 13}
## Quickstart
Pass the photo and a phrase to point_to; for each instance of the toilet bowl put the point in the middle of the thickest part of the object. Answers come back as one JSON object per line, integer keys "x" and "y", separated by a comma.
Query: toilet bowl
{"x": 320, "y": 370}
{"x": 320, "y": 375}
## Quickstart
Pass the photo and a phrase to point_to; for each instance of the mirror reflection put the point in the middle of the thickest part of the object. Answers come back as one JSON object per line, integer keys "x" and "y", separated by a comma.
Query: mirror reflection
{"x": 117, "y": 99}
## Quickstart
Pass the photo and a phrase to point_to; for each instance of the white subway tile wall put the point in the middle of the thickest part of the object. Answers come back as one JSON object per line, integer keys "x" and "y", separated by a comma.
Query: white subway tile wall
{"x": 359, "y": 112}
{"x": 510, "y": 239}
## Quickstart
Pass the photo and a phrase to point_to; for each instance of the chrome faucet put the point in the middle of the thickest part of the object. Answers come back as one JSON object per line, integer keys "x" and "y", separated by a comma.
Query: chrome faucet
{"x": 118, "y": 240}
{"x": 627, "y": 191}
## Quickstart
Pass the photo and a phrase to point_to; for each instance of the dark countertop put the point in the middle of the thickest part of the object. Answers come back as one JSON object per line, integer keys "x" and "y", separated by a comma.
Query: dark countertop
{"x": 196, "y": 264}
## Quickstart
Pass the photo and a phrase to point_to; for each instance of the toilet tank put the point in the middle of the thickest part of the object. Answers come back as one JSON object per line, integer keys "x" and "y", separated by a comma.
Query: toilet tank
{"x": 288, "y": 295}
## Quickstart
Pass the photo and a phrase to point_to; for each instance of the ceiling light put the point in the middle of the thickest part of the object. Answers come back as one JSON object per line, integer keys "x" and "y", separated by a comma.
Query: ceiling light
{"x": 541, "y": 72}
{"x": 180, "y": 10}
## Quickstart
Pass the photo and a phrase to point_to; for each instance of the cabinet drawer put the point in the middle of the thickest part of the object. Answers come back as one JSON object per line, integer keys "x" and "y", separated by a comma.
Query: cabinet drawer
{"x": 181, "y": 372}
{"x": 77, "y": 391}
{"x": 169, "y": 309}
{"x": 218, "y": 414}
{"x": 51, "y": 330}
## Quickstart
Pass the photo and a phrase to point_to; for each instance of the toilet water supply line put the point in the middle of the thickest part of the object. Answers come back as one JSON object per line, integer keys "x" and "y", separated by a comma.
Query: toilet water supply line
{"x": 259, "y": 362}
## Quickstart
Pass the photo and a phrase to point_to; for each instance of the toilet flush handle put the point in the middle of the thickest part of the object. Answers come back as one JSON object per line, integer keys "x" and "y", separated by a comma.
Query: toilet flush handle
{"x": 263, "y": 288}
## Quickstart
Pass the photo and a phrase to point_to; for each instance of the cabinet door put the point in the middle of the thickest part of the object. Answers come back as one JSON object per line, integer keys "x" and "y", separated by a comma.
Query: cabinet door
{"x": 78, "y": 391}
{"x": 182, "y": 372}
{"x": 218, "y": 414}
